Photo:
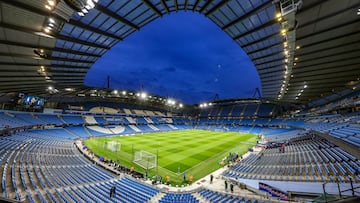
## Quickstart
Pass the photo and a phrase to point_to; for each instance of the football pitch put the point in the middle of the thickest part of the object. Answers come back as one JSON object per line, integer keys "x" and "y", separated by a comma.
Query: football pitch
{"x": 196, "y": 152}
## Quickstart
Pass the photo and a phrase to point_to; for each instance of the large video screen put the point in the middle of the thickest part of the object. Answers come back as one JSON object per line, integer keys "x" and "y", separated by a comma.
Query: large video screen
{"x": 31, "y": 102}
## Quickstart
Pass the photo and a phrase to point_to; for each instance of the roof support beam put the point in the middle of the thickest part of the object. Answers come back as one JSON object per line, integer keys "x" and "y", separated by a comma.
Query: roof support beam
{"x": 356, "y": 21}
{"x": 329, "y": 39}
{"x": 152, "y": 7}
{"x": 216, "y": 7}
{"x": 115, "y": 16}
{"x": 298, "y": 67}
{"x": 27, "y": 7}
{"x": 279, "y": 59}
{"x": 207, "y": 4}
{"x": 54, "y": 15}
{"x": 48, "y": 58}
{"x": 317, "y": 20}
{"x": 176, "y": 5}
{"x": 249, "y": 14}
{"x": 330, "y": 55}
{"x": 93, "y": 29}
{"x": 260, "y": 40}
{"x": 71, "y": 68}
{"x": 328, "y": 48}
{"x": 62, "y": 37}
{"x": 267, "y": 55}
{"x": 165, "y": 6}
{"x": 186, "y": 4}
{"x": 196, "y": 5}
{"x": 11, "y": 43}
{"x": 268, "y": 24}
{"x": 263, "y": 48}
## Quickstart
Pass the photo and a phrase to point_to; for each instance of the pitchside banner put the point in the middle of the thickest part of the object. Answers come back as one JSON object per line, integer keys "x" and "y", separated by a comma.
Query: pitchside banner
{"x": 273, "y": 191}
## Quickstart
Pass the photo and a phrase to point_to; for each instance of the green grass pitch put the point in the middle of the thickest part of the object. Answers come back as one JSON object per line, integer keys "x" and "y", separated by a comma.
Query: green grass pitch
{"x": 196, "y": 152}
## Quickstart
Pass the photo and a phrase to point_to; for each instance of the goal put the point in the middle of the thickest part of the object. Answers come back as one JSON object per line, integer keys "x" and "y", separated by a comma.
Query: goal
{"x": 145, "y": 159}
{"x": 113, "y": 146}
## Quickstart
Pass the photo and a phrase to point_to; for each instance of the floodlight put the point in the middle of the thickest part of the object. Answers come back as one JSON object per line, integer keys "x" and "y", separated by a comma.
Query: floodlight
{"x": 143, "y": 95}
{"x": 138, "y": 94}
{"x": 47, "y": 30}
{"x": 51, "y": 2}
{"x": 205, "y": 105}
{"x": 123, "y": 92}
{"x": 180, "y": 105}
{"x": 115, "y": 92}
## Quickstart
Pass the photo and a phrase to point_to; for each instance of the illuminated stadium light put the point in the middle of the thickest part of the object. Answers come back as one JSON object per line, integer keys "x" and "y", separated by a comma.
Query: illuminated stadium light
{"x": 138, "y": 94}
{"x": 47, "y": 30}
{"x": 171, "y": 102}
{"x": 115, "y": 92}
{"x": 181, "y": 105}
{"x": 123, "y": 92}
{"x": 69, "y": 89}
{"x": 82, "y": 7}
{"x": 143, "y": 95}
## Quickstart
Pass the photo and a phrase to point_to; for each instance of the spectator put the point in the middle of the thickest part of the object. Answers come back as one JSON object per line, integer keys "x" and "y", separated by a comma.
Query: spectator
{"x": 114, "y": 190}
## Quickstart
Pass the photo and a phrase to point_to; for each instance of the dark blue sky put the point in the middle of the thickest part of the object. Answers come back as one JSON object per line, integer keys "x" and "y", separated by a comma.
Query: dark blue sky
{"x": 184, "y": 56}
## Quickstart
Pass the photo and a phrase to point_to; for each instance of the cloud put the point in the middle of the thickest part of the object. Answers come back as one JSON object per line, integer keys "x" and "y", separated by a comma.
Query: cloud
{"x": 171, "y": 57}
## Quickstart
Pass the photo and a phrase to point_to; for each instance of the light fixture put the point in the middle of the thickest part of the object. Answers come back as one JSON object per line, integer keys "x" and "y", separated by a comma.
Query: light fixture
{"x": 143, "y": 95}
{"x": 47, "y": 30}
{"x": 48, "y": 7}
{"x": 297, "y": 47}
{"x": 123, "y": 92}
{"x": 69, "y": 89}
{"x": 51, "y": 2}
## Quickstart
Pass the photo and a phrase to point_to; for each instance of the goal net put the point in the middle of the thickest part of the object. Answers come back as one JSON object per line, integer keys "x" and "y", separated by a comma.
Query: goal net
{"x": 113, "y": 146}
{"x": 145, "y": 159}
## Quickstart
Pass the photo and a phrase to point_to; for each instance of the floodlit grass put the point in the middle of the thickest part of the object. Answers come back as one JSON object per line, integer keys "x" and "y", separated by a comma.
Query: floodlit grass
{"x": 196, "y": 152}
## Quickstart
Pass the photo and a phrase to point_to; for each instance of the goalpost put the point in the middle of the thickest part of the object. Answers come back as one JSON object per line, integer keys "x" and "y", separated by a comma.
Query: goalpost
{"x": 145, "y": 159}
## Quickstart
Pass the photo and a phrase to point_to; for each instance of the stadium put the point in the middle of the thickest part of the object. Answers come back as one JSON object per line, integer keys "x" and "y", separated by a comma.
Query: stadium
{"x": 296, "y": 139}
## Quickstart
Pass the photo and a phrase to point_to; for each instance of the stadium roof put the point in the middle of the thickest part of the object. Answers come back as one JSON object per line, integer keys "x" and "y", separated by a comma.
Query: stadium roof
{"x": 300, "y": 57}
